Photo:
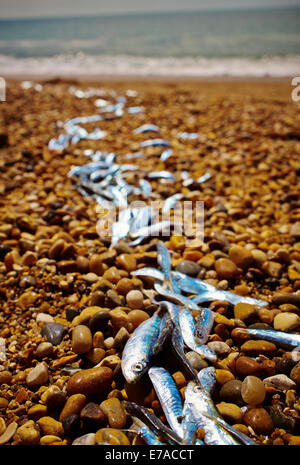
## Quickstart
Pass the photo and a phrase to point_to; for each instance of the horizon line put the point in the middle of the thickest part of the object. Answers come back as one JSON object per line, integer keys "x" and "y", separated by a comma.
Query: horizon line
{"x": 154, "y": 12}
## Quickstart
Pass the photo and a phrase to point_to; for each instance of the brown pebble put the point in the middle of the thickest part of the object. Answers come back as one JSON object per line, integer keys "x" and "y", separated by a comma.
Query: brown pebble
{"x": 240, "y": 256}
{"x": 126, "y": 261}
{"x": 135, "y": 299}
{"x": 5, "y": 377}
{"x": 96, "y": 265}
{"x": 82, "y": 340}
{"x": 124, "y": 286}
{"x": 95, "y": 355}
{"x": 253, "y": 390}
{"x": 226, "y": 269}
{"x": 136, "y": 317}
{"x": 9, "y": 432}
{"x": 259, "y": 347}
{"x": 90, "y": 382}
{"x": 73, "y": 405}
{"x": 245, "y": 366}
{"x": 111, "y": 436}
{"x": 115, "y": 412}
{"x": 259, "y": 420}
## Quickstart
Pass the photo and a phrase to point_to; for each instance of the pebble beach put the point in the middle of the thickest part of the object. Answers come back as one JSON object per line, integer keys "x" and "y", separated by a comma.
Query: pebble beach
{"x": 69, "y": 300}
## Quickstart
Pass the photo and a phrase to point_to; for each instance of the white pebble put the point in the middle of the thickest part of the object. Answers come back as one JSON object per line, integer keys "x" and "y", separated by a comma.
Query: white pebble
{"x": 280, "y": 381}
{"x": 219, "y": 347}
{"x": 38, "y": 375}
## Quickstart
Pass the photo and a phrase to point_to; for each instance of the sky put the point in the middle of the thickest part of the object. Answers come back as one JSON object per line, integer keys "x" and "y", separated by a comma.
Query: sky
{"x": 40, "y": 8}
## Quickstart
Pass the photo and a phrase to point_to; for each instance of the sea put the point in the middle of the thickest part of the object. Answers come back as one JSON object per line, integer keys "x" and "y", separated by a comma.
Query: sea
{"x": 254, "y": 42}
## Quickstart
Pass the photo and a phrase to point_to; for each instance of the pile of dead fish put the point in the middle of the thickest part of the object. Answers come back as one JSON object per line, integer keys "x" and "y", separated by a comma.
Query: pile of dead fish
{"x": 176, "y": 294}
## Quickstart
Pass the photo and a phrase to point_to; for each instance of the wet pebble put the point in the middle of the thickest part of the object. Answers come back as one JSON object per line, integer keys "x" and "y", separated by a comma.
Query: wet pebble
{"x": 99, "y": 321}
{"x": 240, "y": 256}
{"x": 37, "y": 376}
{"x": 54, "y": 332}
{"x": 281, "y": 420}
{"x": 286, "y": 321}
{"x": 259, "y": 420}
{"x": 27, "y": 434}
{"x": 82, "y": 340}
{"x": 295, "y": 374}
{"x": 73, "y": 405}
{"x": 226, "y": 269}
{"x": 231, "y": 392}
{"x": 245, "y": 366}
{"x": 259, "y": 347}
{"x": 90, "y": 382}
{"x": 136, "y": 317}
{"x": 135, "y": 299}
{"x": 188, "y": 267}
{"x": 71, "y": 425}
{"x": 244, "y": 311}
{"x": 111, "y": 436}
{"x": 219, "y": 347}
{"x": 115, "y": 412}
{"x": 230, "y": 412}
{"x": 92, "y": 417}
{"x": 253, "y": 390}
{"x": 196, "y": 361}
{"x": 49, "y": 425}
{"x": 280, "y": 381}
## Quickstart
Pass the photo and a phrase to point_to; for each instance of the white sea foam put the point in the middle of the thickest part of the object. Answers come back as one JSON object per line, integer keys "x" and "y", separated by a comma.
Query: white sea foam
{"x": 81, "y": 65}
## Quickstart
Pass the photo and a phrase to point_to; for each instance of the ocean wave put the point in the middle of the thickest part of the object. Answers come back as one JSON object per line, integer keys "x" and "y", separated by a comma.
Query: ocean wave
{"x": 81, "y": 65}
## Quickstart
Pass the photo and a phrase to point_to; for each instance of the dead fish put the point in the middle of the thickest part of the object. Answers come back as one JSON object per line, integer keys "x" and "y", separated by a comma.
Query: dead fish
{"x": 146, "y": 128}
{"x": 174, "y": 297}
{"x": 154, "y": 143}
{"x": 155, "y": 229}
{"x": 161, "y": 174}
{"x": 146, "y": 187}
{"x": 188, "y": 135}
{"x": 278, "y": 337}
{"x": 204, "y": 325}
{"x": 170, "y": 202}
{"x": 166, "y": 154}
{"x": 203, "y": 178}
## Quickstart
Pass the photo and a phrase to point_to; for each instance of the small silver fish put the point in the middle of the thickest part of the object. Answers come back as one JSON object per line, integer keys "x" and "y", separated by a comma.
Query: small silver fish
{"x": 278, "y": 337}
{"x": 204, "y": 325}
{"x": 164, "y": 261}
{"x": 161, "y": 174}
{"x": 154, "y": 143}
{"x": 207, "y": 378}
{"x": 166, "y": 154}
{"x": 171, "y": 202}
{"x": 146, "y": 128}
{"x": 176, "y": 298}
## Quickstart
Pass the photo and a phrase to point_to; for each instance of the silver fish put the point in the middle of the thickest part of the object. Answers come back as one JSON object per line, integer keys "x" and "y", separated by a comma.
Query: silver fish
{"x": 149, "y": 437}
{"x": 149, "y": 272}
{"x": 168, "y": 395}
{"x": 146, "y": 128}
{"x": 146, "y": 187}
{"x": 178, "y": 349}
{"x": 154, "y": 143}
{"x": 187, "y": 326}
{"x": 171, "y": 202}
{"x": 207, "y": 292}
{"x": 204, "y": 325}
{"x": 139, "y": 349}
{"x": 155, "y": 229}
{"x": 164, "y": 261}
{"x": 278, "y": 337}
{"x": 151, "y": 420}
{"x": 161, "y": 174}
{"x": 166, "y": 154}
{"x": 200, "y": 403}
{"x": 189, "y": 427}
{"x": 203, "y": 178}
{"x": 207, "y": 378}
{"x": 188, "y": 135}
{"x": 174, "y": 297}
{"x": 234, "y": 432}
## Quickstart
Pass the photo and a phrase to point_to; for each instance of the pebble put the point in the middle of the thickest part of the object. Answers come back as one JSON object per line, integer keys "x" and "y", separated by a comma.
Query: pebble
{"x": 244, "y": 312}
{"x": 85, "y": 315}
{"x": 136, "y": 317}
{"x": 286, "y": 298}
{"x": 56, "y": 399}
{"x": 223, "y": 376}
{"x": 99, "y": 321}
{"x": 259, "y": 420}
{"x": 121, "y": 338}
{"x": 280, "y": 381}
{"x": 240, "y": 256}
{"x": 37, "y": 376}
{"x": 295, "y": 374}
{"x": 127, "y": 262}
{"x": 95, "y": 265}
{"x": 5, "y": 377}
{"x": 71, "y": 312}
{"x": 71, "y": 425}
{"x": 115, "y": 412}
{"x": 286, "y": 321}
{"x": 49, "y": 425}
{"x": 27, "y": 434}
{"x": 196, "y": 360}
{"x": 54, "y": 332}
{"x": 92, "y": 381}
{"x": 97, "y": 298}
{"x": 92, "y": 417}
{"x": 82, "y": 264}
{"x": 119, "y": 319}
{"x": 85, "y": 440}
{"x": 253, "y": 390}
{"x": 50, "y": 440}
{"x": 95, "y": 355}
{"x": 124, "y": 286}
{"x": 82, "y": 340}
{"x": 188, "y": 267}
{"x": 245, "y": 366}
{"x": 8, "y": 433}
{"x": 44, "y": 349}
{"x": 220, "y": 348}
{"x": 231, "y": 392}
{"x": 2, "y": 426}
{"x": 44, "y": 318}
{"x": 281, "y": 420}
{"x": 231, "y": 412}
{"x": 259, "y": 347}
{"x": 111, "y": 436}
{"x": 135, "y": 299}
{"x": 73, "y": 405}
{"x": 226, "y": 269}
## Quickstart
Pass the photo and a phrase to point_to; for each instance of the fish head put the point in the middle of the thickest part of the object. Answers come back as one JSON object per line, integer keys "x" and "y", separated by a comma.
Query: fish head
{"x": 133, "y": 368}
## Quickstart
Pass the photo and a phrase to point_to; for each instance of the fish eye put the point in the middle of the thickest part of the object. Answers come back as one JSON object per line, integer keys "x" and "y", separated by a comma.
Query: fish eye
{"x": 138, "y": 367}
{"x": 197, "y": 388}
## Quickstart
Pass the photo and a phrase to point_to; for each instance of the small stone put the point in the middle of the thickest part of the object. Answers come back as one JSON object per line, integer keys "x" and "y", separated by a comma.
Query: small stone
{"x": 90, "y": 278}
{"x": 44, "y": 349}
{"x": 2, "y": 426}
{"x": 54, "y": 332}
{"x": 111, "y": 436}
{"x": 90, "y": 382}
{"x": 99, "y": 321}
{"x": 85, "y": 440}
{"x": 82, "y": 340}
{"x": 245, "y": 366}
{"x": 112, "y": 275}
{"x": 119, "y": 319}
{"x": 3, "y": 403}
{"x": 97, "y": 298}
{"x": 223, "y": 376}
{"x": 196, "y": 360}
{"x": 253, "y": 390}
{"x": 259, "y": 257}
{"x": 259, "y": 420}
{"x": 226, "y": 269}
{"x": 115, "y": 412}
{"x": 82, "y": 264}
{"x": 8, "y": 433}
{"x": 29, "y": 258}
{"x": 71, "y": 313}
{"x": 135, "y": 299}
{"x": 73, "y": 405}
{"x": 95, "y": 355}
{"x": 136, "y": 317}
{"x": 96, "y": 265}
{"x": 92, "y": 417}
{"x": 112, "y": 299}
{"x": 5, "y": 377}
{"x": 67, "y": 266}
{"x": 71, "y": 425}
{"x": 27, "y": 434}
{"x": 259, "y": 347}
{"x": 240, "y": 256}
{"x": 121, "y": 338}
{"x": 188, "y": 267}
{"x": 220, "y": 348}
{"x": 50, "y": 439}
{"x": 124, "y": 286}
{"x": 85, "y": 315}
{"x": 231, "y": 392}
{"x": 38, "y": 375}
{"x": 56, "y": 249}
{"x": 127, "y": 262}
{"x": 50, "y": 426}
{"x": 273, "y": 269}
{"x": 295, "y": 374}
{"x": 286, "y": 321}
{"x": 98, "y": 340}
{"x": 281, "y": 420}
{"x": 244, "y": 312}
{"x": 44, "y": 318}
{"x": 36, "y": 412}
{"x": 286, "y": 298}
{"x": 281, "y": 382}
{"x": 231, "y": 412}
